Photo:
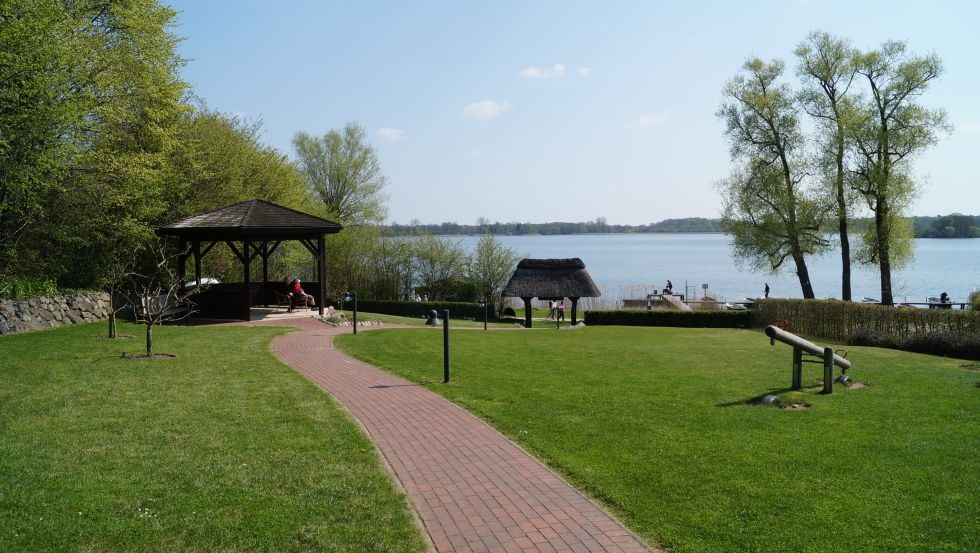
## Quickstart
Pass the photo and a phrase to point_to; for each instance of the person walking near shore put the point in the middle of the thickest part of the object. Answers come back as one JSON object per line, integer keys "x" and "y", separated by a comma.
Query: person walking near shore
{"x": 561, "y": 311}
{"x": 767, "y": 289}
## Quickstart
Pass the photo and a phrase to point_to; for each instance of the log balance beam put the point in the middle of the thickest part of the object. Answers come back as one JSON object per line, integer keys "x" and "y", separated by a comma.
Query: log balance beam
{"x": 801, "y": 346}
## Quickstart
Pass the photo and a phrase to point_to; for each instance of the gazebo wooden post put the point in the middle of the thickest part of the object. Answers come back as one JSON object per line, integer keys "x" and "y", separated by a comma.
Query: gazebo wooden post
{"x": 527, "y": 312}
{"x": 196, "y": 248}
{"x": 321, "y": 271}
{"x": 574, "y": 311}
{"x": 264, "y": 252}
{"x": 248, "y": 279}
{"x": 182, "y": 262}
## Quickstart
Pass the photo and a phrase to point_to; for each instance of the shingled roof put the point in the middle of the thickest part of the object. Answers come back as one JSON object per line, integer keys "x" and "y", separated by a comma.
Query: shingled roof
{"x": 551, "y": 278}
{"x": 252, "y": 220}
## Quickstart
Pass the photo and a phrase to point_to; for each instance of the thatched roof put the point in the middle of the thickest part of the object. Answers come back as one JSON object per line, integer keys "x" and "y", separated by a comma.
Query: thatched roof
{"x": 551, "y": 278}
{"x": 250, "y": 220}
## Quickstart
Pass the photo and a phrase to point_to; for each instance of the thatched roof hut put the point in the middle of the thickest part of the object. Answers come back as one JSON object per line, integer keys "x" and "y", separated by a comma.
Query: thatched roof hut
{"x": 550, "y": 279}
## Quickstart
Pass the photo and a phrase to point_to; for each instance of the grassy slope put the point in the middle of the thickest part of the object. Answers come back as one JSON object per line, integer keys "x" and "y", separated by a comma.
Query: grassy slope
{"x": 222, "y": 448}
{"x": 653, "y": 422}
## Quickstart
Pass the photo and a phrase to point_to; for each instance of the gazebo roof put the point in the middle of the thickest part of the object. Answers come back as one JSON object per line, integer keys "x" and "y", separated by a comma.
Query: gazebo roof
{"x": 551, "y": 278}
{"x": 250, "y": 220}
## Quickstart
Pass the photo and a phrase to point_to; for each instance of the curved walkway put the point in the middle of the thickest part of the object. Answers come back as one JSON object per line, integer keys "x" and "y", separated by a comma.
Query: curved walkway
{"x": 472, "y": 488}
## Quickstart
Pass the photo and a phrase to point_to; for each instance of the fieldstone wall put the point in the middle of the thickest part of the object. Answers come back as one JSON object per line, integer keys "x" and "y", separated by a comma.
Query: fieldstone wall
{"x": 52, "y": 311}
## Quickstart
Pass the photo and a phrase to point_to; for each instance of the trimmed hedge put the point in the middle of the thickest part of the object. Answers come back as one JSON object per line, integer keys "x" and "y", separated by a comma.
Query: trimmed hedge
{"x": 951, "y": 332}
{"x": 457, "y": 310}
{"x": 842, "y": 320}
{"x": 20, "y": 288}
{"x": 689, "y": 319}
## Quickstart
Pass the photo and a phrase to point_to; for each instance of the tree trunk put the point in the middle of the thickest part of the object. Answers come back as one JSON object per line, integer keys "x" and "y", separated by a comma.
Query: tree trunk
{"x": 527, "y": 312}
{"x": 149, "y": 339}
{"x": 845, "y": 243}
{"x": 112, "y": 322}
{"x": 884, "y": 253}
{"x": 804, "y": 276}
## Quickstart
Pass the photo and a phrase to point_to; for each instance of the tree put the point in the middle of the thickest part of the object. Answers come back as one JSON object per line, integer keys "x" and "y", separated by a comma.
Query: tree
{"x": 892, "y": 128}
{"x": 116, "y": 71}
{"x": 769, "y": 214}
{"x": 343, "y": 170}
{"x": 826, "y": 65}
{"x": 157, "y": 294}
{"x": 490, "y": 267}
{"x": 439, "y": 266}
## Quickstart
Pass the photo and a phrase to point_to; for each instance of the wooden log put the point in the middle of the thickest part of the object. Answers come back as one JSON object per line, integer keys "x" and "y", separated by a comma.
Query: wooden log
{"x": 776, "y": 333}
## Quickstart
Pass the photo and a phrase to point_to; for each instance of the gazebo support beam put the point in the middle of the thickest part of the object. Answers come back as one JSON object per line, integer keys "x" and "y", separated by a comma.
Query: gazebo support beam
{"x": 182, "y": 262}
{"x": 196, "y": 248}
{"x": 574, "y": 311}
{"x": 248, "y": 278}
{"x": 527, "y": 312}
{"x": 321, "y": 272}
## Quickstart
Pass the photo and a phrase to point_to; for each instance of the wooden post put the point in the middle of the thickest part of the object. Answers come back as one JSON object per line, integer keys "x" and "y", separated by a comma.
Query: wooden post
{"x": 828, "y": 370}
{"x": 527, "y": 312}
{"x": 264, "y": 252}
{"x": 196, "y": 247}
{"x": 321, "y": 272}
{"x": 248, "y": 281}
{"x": 182, "y": 263}
{"x": 797, "y": 369}
{"x": 574, "y": 311}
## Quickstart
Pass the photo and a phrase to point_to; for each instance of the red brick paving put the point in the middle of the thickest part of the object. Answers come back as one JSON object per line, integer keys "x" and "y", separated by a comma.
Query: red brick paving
{"x": 472, "y": 488}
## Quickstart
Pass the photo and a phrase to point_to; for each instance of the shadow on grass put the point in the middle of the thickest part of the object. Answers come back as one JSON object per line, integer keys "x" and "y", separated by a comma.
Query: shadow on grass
{"x": 754, "y": 400}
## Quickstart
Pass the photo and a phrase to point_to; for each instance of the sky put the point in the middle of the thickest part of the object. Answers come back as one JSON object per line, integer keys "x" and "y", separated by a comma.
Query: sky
{"x": 554, "y": 111}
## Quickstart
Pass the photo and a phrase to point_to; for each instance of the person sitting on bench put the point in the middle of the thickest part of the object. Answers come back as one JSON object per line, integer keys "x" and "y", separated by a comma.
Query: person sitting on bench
{"x": 298, "y": 296}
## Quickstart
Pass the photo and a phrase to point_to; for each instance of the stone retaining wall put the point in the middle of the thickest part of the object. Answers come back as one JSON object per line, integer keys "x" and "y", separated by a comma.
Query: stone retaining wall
{"x": 52, "y": 311}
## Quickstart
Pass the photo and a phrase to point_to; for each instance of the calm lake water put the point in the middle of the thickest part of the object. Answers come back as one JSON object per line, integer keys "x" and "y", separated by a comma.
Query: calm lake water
{"x": 631, "y": 265}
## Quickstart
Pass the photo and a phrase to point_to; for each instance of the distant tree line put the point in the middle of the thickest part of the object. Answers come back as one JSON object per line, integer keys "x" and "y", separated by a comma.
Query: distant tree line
{"x": 599, "y": 226}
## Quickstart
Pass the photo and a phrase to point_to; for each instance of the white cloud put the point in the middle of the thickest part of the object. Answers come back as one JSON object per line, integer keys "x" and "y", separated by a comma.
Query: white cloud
{"x": 543, "y": 73}
{"x": 387, "y": 134}
{"x": 648, "y": 120}
{"x": 485, "y": 109}
{"x": 585, "y": 71}
{"x": 969, "y": 127}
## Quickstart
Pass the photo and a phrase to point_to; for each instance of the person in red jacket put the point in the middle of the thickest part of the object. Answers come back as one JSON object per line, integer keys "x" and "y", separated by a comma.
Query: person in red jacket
{"x": 297, "y": 295}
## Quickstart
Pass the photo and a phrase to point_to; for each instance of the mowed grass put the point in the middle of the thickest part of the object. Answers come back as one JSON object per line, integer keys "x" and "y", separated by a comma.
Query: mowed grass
{"x": 222, "y": 448}
{"x": 653, "y": 422}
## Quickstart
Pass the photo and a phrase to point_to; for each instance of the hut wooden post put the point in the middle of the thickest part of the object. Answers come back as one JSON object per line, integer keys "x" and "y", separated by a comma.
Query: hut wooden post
{"x": 248, "y": 280}
{"x": 182, "y": 263}
{"x": 264, "y": 252}
{"x": 574, "y": 311}
{"x": 321, "y": 271}
{"x": 197, "y": 261}
{"x": 527, "y": 312}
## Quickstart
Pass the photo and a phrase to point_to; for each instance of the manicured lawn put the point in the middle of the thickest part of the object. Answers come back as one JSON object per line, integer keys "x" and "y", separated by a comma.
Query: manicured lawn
{"x": 222, "y": 448}
{"x": 653, "y": 422}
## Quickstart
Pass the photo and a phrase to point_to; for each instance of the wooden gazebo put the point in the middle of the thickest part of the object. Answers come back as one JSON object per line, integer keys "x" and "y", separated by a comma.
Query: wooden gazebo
{"x": 251, "y": 229}
{"x": 550, "y": 279}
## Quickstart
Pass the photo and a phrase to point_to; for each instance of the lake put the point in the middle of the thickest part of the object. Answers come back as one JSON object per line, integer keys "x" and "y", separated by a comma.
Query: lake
{"x": 632, "y": 265}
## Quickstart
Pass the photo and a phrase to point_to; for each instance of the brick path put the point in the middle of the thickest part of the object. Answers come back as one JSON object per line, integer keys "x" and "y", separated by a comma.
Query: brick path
{"x": 472, "y": 488}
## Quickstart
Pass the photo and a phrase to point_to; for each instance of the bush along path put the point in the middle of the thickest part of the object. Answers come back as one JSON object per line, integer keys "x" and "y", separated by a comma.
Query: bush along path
{"x": 472, "y": 488}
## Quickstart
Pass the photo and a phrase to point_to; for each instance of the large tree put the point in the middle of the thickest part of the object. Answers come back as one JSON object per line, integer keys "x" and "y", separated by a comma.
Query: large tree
{"x": 767, "y": 210}
{"x": 343, "y": 170}
{"x": 490, "y": 267}
{"x": 116, "y": 69}
{"x": 892, "y": 129}
{"x": 826, "y": 66}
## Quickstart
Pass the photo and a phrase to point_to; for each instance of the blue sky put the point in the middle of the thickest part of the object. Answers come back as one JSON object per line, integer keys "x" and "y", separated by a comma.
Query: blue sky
{"x": 547, "y": 111}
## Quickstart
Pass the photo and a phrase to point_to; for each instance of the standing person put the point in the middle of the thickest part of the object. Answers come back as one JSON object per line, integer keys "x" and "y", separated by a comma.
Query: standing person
{"x": 767, "y": 289}
{"x": 670, "y": 286}
{"x": 561, "y": 310}
{"x": 551, "y": 309}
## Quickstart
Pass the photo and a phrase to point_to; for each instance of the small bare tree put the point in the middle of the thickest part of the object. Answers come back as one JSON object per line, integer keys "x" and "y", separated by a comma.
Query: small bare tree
{"x": 157, "y": 296}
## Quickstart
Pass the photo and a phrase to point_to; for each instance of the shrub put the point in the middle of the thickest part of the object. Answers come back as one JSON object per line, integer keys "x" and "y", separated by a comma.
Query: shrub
{"x": 690, "y": 319}
{"x": 457, "y": 310}
{"x": 975, "y": 300}
{"x": 934, "y": 343}
{"x": 18, "y": 288}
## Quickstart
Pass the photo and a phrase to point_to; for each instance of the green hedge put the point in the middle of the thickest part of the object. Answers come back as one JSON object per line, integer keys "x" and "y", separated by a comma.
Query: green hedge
{"x": 457, "y": 310}
{"x": 842, "y": 320}
{"x": 690, "y": 319}
{"x": 19, "y": 288}
{"x": 951, "y": 332}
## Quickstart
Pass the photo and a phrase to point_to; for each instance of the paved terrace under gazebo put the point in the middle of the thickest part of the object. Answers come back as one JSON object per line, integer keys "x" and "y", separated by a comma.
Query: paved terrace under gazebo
{"x": 250, "y": 229}
{"x": 550, "y": 279}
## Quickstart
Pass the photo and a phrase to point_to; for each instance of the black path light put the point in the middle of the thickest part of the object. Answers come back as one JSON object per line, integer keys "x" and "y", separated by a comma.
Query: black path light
{"x": 351, "y": 296}
{"x": 434, "y": 321}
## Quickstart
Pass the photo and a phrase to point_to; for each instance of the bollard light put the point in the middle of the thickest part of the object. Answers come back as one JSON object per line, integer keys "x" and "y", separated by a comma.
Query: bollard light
{"x": 351, "y": 296}
{"x": 433, "y": 319}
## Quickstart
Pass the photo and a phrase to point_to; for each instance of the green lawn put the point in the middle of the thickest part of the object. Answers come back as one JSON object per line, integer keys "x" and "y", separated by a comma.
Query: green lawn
{"x": 653, "y": 423}
{"x": 222, "y": 448}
